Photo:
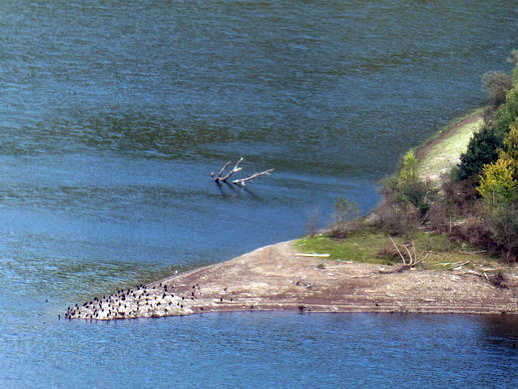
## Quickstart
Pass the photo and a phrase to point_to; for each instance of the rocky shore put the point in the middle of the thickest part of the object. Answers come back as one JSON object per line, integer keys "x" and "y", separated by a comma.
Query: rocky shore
{"x": 275, "y": 278}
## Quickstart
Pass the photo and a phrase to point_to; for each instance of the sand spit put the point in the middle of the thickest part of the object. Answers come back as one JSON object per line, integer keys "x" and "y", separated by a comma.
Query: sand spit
{"x": 274, "y": 278}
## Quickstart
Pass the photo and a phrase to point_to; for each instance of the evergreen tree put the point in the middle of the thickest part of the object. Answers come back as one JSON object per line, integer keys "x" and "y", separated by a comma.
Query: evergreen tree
{"x": 482, "y": 150}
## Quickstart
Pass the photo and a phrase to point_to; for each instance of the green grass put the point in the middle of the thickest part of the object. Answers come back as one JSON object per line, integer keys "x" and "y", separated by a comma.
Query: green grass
{"x": 444, "y": 155}
{"x": 359, "y": 247}
{"x": 365, "y": 247}
{"x": 451, "y": 123}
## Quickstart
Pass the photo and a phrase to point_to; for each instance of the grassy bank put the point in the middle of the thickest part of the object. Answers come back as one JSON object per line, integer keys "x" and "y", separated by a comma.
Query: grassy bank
{"x": 441, "y": 152}
{"x": 375, "y": 247}
{"x": 435, "y": 157}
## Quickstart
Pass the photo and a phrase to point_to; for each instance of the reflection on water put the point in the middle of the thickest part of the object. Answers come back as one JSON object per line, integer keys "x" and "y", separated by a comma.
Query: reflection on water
{"x": 114, "y": 114}
{"x": 502, "y": 331}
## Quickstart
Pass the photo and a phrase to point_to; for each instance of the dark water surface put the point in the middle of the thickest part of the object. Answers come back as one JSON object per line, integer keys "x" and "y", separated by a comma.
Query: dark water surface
{"x": 112, "y": 116}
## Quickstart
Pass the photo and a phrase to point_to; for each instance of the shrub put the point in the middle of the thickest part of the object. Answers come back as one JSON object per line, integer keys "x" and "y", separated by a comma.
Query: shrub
{"x": 407, "y": 187}
{"x": 420, "y": 194}
{"x": 488, "y": 114}
{"x": 494, "y": 230}
{"x": 397, "y": 219}
{"x": 476, "y": 233}
{"x": 502, "y": 222}
{"x": 343, "y": 230}
{"x": 406, "y": 199}
{"x": 496, "y": 85}
{"x": 440, "y": 217}
{"x": 345, "y": 212}
{"x": 408, "y": 171}
{"x": 460, "y": 195}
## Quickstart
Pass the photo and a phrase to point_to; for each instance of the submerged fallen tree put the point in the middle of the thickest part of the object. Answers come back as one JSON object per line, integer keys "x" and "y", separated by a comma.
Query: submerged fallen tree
{"x": 221, "y": 176}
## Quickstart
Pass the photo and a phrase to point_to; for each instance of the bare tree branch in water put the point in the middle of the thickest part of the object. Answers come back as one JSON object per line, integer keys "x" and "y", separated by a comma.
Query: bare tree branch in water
{"x": 222, "y": 177}
{"x": 243, "y": 181}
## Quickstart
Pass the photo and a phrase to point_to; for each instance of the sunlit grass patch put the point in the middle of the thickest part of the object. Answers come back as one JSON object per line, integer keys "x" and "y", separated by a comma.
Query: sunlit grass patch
{"x": 369, "y": 247}
{"x": 446, "y": 154}
{"x": 357, "y": 247}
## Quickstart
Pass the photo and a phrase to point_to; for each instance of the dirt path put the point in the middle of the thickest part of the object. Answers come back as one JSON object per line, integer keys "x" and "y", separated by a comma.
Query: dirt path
{"x": 274, "y": 278}
{"x": 441, "y": 153}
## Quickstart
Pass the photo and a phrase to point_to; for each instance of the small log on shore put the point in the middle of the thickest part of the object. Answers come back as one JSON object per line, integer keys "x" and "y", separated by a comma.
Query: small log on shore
{"x": 313, "y": 255}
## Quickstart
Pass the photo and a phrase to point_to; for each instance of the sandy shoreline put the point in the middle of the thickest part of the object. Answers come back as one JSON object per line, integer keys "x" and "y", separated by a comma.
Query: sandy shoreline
{"x": 274, "y": 278}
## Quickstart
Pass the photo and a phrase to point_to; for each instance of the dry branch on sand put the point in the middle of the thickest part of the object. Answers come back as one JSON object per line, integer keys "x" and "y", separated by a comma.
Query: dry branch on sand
{"x": 409, "y": 257}
{"x": 221, "y": 176}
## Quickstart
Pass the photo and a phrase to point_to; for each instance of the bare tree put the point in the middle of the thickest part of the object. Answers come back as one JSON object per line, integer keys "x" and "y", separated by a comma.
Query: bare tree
{"x": 496, "y": 85}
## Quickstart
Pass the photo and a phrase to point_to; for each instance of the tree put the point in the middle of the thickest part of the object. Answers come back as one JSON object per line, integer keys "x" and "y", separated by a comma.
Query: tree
{"x": 509, "y": 151}
{"x": 408, "y": 172}
{"x": 499, "y": 190}
{"x": 507, "y": 113}
{"x": 497, "y": 184}
{"x": 482, "y": 150}
{"x": 410, "y": 187}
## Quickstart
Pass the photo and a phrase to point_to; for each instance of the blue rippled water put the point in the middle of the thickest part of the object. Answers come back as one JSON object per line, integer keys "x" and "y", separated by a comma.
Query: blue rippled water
{"x": 112, "y": 116}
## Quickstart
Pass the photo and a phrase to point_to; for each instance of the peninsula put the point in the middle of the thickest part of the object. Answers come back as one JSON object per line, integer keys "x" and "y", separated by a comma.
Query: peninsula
{"x": 285, "y": 276}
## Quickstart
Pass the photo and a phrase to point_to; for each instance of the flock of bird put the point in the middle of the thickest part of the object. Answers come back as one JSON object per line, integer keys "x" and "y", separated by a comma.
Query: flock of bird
{"x": 142, "y": 301}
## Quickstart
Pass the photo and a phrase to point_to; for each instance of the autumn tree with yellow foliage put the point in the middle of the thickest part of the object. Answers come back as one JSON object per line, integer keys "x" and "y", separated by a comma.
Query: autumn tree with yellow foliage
{"x": 499, "y": 190}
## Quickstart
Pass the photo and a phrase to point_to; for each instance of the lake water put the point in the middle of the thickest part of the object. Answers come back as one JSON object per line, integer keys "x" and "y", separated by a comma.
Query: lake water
{"x": 114, "y": 113}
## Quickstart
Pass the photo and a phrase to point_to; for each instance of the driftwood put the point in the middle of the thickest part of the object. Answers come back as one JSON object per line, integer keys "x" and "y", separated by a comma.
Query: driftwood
{"x": 410, "y": 260}
{"x": 242, "y": 181}
{"x": 413, "y": 259}
{"x": 313, "y": 255}
{"x": 221, "y": 176}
